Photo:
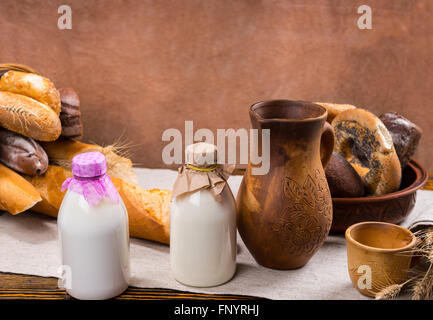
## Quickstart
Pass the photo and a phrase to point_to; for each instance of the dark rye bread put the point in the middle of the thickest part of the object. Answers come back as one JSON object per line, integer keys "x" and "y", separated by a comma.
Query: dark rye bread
{"x": 405, "y": 135}
{"x": 70, "y": 115}
{"x": 343, "y": 180}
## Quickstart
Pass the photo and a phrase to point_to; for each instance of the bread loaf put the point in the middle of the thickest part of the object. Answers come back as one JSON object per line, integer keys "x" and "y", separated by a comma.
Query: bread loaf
{"x": 148, "y": 210}
{"x": 367, "y": 145}
{"x": 22, "y": 154}
{"x": 16, "y": 194}
{"x": 62, "y": 151}
{"x": 28, "y": 117}
{"x": 33, "y": 86}
{"x": 70, "y": 116}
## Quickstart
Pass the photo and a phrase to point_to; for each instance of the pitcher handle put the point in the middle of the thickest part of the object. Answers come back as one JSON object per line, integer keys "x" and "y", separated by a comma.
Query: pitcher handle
{"x": 326, "y": 144}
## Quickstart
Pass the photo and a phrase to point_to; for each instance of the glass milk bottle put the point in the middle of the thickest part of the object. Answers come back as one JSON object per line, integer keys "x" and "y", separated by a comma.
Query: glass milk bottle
{"x": 93, "y": 232}
{"x": 202, "y": 221}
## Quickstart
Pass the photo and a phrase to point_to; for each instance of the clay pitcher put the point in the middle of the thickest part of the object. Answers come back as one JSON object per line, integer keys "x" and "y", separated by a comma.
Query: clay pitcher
{"x": 284, "y": 216}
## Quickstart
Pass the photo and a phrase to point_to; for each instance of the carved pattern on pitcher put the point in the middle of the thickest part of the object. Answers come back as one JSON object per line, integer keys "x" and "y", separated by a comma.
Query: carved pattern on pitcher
{"x": 299, "y": 225}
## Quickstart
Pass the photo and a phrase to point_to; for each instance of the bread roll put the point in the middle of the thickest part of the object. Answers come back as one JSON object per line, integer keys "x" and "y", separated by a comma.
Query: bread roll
{"x": 148, "y": 210}
{"x": 342, "y": 179}
{"x": 334, "y": 109}
{"x": 405, "y": 135}
{"x": 33, "y": 86}
{"x": 367, "y": 145}
{"x": 62, "y": 151}
{"x": 16, "y": 194}
{"x": 22, "y": 154}
{"x": 28, "y": 117}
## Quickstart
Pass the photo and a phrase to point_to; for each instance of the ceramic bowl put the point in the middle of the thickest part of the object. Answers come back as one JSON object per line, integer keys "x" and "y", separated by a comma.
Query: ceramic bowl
{"x": 378, "y": 254}
{"x": 393, "y": 207}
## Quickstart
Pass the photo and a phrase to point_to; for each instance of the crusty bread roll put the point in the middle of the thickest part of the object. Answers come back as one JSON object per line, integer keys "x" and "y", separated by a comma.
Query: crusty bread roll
{"x": 28, "y": 117}
{"x": 16, "y": 194}
{"x": 334, "y": 109}
{"x": 33, "y": 86}
{"x": 62, "y": 151}
{"x": 367, "y": 145}
{"x": 148, "y": 210}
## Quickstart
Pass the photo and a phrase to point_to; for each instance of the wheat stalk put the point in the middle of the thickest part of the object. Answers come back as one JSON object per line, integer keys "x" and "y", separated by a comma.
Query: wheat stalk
{"x": 423, "y": 280}
{"x": 423, "y": 287}
{"x": 422, "y": 290}
{"x": 389, "y": 292}
{"x": 118, "y": 165}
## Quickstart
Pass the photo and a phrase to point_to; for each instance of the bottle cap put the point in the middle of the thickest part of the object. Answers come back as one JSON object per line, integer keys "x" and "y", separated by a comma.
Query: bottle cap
{"x": 89, "y": 164}
{"x": 201, "y": 154}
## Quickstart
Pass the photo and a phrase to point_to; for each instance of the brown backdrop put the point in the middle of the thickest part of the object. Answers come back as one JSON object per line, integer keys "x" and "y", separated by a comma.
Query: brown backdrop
{"x": 141, "y": 67}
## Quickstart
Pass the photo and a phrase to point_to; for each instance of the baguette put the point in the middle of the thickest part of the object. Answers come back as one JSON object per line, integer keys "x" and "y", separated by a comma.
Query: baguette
{"x": 28, "y": 117}
{"x": 148, "y": 210}
{"x": 33, "y": 86}
{"x": 16, "y": 194}
{"x": 62, "y": 151}
{"x": 49, "y": 187}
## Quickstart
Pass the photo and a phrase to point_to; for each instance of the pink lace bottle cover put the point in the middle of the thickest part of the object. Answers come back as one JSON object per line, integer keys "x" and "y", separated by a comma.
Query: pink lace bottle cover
{"x": 90, "y": 178}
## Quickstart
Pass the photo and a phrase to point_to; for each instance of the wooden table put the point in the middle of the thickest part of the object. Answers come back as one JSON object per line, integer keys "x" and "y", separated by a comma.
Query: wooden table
{"x": 15, "y": 286}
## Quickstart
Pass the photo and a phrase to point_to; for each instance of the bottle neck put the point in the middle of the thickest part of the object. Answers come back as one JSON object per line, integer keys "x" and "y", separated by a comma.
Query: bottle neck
{"x": 88, "y": 178}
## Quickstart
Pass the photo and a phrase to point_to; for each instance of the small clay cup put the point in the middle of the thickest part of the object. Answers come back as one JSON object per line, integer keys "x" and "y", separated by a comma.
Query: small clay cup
{"x": 378, "y": 254}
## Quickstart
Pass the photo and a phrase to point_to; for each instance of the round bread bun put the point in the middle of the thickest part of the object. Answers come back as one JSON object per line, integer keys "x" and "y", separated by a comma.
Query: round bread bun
{"x": 28, "y": 117}
{"x": 367, "y": 145}
{"x": 334, "y": 109}
{"x": 342, "y": 179}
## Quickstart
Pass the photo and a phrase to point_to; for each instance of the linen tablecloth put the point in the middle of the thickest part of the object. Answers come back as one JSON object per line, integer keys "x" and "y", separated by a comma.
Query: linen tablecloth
{"x": 29, "y": 245}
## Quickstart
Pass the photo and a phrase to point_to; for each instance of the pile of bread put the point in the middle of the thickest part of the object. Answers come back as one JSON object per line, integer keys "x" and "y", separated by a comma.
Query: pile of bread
{"x": 39, "y": 131}
{"x": 370, "y": 152}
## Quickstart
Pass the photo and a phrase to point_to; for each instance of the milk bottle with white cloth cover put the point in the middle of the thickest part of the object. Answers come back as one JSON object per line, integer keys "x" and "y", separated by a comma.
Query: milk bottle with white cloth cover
{"x": 202, "y": 220}
{"x": 93, "y": 232}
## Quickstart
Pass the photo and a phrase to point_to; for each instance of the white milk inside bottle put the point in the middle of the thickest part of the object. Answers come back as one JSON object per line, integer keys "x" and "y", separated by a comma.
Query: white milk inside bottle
{"x": 93, "y": 232}
{"x": 202, "y": 221}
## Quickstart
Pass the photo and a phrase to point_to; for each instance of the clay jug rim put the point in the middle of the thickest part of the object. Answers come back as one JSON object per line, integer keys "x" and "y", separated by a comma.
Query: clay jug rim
{"x": 288, "y": 103}
{"x": 350, "y": 239}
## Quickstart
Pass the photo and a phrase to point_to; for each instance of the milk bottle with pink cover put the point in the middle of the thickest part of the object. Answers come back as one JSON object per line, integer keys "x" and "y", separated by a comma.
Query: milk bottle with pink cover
{"x": 93, "y": 232}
